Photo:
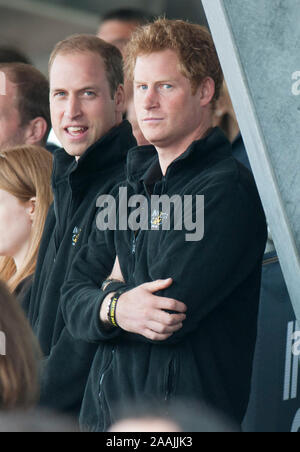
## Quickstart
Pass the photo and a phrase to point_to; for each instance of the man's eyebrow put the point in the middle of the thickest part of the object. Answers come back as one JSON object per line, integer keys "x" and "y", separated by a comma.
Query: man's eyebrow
{"x": 89, "y": 87}
{"x": 85, "y": 88}
{"x": 54, "y": 90}
{"x": 169, "y": 80}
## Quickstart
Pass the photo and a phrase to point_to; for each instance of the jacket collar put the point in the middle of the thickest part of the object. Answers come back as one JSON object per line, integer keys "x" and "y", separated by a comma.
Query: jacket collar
{"x": 107, "y": 152}
{"x": 143, "y": 163}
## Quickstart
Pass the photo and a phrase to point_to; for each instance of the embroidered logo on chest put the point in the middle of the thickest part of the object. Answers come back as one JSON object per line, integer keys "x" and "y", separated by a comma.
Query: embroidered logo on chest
{"x": 157, "y": 219}
{"x": 76, "y": 234}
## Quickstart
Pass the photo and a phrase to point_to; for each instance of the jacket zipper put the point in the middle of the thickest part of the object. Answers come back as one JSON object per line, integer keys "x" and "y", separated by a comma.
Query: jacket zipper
{"x": 135, "y": 234}
{"x": 104, "y": 410}
{"x": 169, "y": 382}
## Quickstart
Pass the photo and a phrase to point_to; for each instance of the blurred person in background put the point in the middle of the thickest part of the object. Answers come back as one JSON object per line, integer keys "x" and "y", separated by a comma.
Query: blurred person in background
{"x": 25, "y": 197}
{"x": 18, "y": 358}
{"x": 225, "y": 118}
{"x": 180, "y": 416}
{"x": 24, "y": 106}
{"x": 224, "y": 115}
{"x": 116, "y": 27}
{"x": 12, "y": 55}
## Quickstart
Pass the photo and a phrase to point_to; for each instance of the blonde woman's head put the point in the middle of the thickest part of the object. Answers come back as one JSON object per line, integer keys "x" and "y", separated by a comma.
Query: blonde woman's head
{"x": 25, "y": 197}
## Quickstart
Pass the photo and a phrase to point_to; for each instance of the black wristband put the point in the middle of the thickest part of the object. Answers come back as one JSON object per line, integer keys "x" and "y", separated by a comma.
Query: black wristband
{"x": 111, "y": 313}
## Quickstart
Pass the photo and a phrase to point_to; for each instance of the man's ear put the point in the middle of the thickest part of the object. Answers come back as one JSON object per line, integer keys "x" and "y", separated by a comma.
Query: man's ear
{"x": 206, "y": 91}
{"x": 30, "y": 208}
{"x": 120, "y": 99}
{"x": 35, "y": 131}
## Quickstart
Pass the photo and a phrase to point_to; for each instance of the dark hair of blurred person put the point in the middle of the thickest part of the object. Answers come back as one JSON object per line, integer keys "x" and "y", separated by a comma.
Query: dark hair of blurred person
{"x": 12, "y": 55}
{"x": 128, "y": 15}
{"x": 25, "y": 112}
{"x": 18, "y": 357}
{"x": 117, "y": 25}
{"x": 25, "y": 197}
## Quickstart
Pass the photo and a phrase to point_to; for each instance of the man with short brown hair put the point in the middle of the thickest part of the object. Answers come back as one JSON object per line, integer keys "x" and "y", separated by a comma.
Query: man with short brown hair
{"x": 178, "y": 314}
{"x": 86, "y": 103}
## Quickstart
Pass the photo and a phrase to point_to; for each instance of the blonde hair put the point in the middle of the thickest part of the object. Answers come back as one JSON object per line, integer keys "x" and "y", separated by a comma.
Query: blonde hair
{"x": 193, "y": 44}
{"x": 25, "y": 172}
{"x": 19, "y": 386}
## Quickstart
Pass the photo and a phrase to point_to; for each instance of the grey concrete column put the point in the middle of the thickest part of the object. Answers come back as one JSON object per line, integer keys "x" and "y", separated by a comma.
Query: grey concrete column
{"x": 258, "y": 43}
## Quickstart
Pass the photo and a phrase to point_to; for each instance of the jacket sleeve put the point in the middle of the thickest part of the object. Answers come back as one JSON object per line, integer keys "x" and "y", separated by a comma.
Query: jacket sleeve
{"x": 81, "y": 294}
{"x": 64, "y": 374}
{"x": 205, "y": 273}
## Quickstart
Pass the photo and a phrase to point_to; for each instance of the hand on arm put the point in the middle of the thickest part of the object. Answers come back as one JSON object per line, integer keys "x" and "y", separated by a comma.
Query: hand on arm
{"x": 141, "y": 312}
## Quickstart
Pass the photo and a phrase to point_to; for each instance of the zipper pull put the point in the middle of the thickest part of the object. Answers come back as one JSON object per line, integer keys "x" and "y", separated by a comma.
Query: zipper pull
{"x": 133, "y": 246}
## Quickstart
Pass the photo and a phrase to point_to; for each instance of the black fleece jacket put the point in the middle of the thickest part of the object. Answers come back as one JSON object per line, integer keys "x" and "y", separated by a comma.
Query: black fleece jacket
{"x": 218, "y": 278}
{"x": 76, "y": 186}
